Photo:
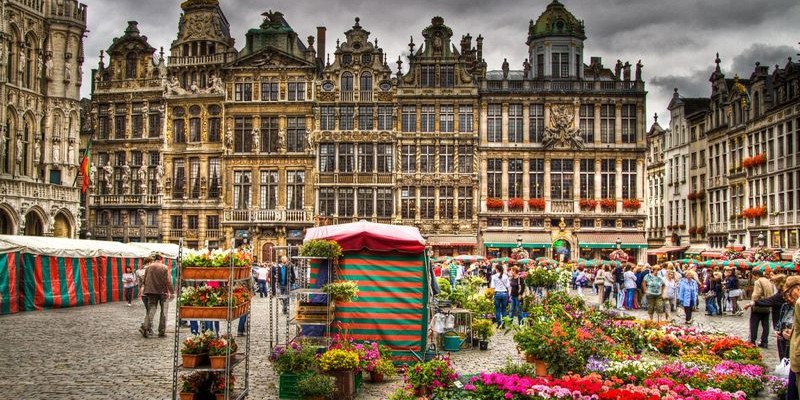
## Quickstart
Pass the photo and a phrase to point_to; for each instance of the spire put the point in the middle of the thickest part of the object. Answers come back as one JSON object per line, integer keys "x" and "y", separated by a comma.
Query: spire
{"x": 655, "y": 117}
{"x": 411, "y": 45}
{"x": 717, "y": 61}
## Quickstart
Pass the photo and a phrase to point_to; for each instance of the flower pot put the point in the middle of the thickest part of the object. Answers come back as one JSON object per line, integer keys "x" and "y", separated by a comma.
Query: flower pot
{"x": 221, "y": 396}
{"x": 188, "y": 396}
{"x": 423, "y": 392}
{"x": 218, "y": 362}
{"x": 193, "y": 360}
{"x": 541, "y": 366}
{"x": 375, "y": 377}
{"x": 475, "y": 342}
{"x": 287, "y": 385}
{"x": 483, "y": 344}
{"x": 345, "y": 383}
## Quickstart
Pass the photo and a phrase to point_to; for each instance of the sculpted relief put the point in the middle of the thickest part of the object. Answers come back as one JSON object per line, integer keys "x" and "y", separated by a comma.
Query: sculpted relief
{"x": 561, "y": 130}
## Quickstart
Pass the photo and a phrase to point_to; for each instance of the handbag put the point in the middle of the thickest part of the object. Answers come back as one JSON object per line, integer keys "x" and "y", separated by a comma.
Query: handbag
{"x": 782, "y": 368}
{"x": 710, "y": 294}
{"x": 735, "y": 293}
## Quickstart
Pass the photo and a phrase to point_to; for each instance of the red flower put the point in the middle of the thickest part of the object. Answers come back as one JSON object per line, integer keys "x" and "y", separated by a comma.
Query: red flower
{"x": 494, "y": 204}
{"x": 631, "y": 204}
{"x": 515, "y": 203}
{"x": 588, "y": 203}
{"x": 536, "y": 204}
{"x": 608, "y": 204}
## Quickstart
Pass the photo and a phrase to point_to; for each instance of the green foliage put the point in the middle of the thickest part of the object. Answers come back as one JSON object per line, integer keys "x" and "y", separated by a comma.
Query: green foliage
{"x": 483, "y": 328}
{"x": 444, "y": 285}
{"x": 512, "y": 368}
{"x": 541, "y": 277}
{"x": 316, "y": 385}
{"x": 343, "y": 291}
{"x": 321, "y": 248}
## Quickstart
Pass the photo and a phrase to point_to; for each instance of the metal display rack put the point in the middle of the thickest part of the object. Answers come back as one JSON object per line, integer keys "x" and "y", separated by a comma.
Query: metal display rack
{"x": 234, "y": 361}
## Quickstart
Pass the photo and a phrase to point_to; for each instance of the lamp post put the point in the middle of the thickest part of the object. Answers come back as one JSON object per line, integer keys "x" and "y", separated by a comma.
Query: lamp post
{"x": 761, "y": 239}
{"x": 519, "y": 241}
{"x": 619, "y": 243}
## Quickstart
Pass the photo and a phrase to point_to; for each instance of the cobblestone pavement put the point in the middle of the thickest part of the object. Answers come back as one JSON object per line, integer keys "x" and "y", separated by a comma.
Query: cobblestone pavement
{"x": 96, "y": 352}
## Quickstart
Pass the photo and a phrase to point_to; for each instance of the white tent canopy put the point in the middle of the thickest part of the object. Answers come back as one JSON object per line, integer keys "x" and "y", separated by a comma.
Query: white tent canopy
{"x": 60, "y": 247}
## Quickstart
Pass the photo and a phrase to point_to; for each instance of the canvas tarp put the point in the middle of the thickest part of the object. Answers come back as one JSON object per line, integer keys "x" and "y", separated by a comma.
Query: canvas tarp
{"x": 363, "y": 235}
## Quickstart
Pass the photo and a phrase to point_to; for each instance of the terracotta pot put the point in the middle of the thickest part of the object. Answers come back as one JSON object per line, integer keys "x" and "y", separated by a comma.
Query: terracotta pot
{"x": 345, "y": 383}
{"x": 540, "y": 366}
{"x": 375, "y": 377}
{"x": 218, "y": 362}
{"x": 193, "y": 360}
{"x": 188, "y": 396}
{"x": 221, "y": 396}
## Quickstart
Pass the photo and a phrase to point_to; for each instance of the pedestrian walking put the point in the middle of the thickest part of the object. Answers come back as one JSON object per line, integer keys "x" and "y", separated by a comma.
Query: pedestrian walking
{"x": 140, "y": 280}
{"x": 261, "y": 278}
{"x": 670, "y": 293}
{"x": 282, "y": 280}
{"x": 599, "y": 284}
{"x": 791, "y": 293}
{"x": 501, "y": 285}
{"x": 687, "y": 295}
{"x": 653, "y": 287}
{"x": 128, "y": 284}
{"x": 581, "y": 280}
{"x": 759, "y": 315}
{"x": 711, "y": 288}
{"x": 630, "y": 288}
{"x": 732, "y": 287}
{"x": 608, "y": 284}
{"x": 779, "y": 308}
{"x": 517, "y": 285}
{"x": 158, "y": 289}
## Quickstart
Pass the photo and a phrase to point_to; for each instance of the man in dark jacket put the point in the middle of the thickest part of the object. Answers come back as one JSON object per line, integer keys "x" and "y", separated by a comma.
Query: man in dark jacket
{"x": 282, "y": 278}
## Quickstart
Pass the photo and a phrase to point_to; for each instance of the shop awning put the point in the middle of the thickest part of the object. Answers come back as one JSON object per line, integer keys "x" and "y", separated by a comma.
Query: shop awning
{"x": 666, "y": 250}
{"x": 452, "y": 241}
{"x": 711, "y": 254}
{"x": 530, "y": 240}
{"x": 694, "y": 251}
{"x": 609, "y": 240}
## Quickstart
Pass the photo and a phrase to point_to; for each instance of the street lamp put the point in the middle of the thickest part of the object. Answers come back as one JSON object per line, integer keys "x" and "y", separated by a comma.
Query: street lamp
{"x": 519, "y": 241}
{"x": 619, "y": 243}
{"x": 761, "y": 239}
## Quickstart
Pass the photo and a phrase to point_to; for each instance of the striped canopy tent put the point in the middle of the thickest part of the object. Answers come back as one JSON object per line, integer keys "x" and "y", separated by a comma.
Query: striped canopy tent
{"x": 776, "y": 266}
{"x": 388, "y": 263}
{"x": 546, "y": 261}
{"x": 525, "y": 261}
{"x": 582, "y": 262}
{"x": 43, "y": 272}
{"x": 470, "y": 258}
{"x": 503, "y": 260}
{"x": 442, "y": 259}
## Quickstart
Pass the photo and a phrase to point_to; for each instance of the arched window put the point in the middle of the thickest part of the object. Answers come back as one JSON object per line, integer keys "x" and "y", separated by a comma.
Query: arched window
{"x": 10, "y": 127}
{"x": 56, "y": 125}
{"x": 30, "y": 63}
{"x": 366, "y": 82}
{"x": 347, "y": 82}
{"x": 130, "y": 65}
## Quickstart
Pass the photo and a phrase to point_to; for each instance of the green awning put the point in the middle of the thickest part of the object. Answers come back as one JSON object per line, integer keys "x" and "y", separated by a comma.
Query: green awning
{"x": 512, "y": 245}
{"x": 506, "y": 240}
{"x": 608, "y": 240}
{"x": 612, "y": 245}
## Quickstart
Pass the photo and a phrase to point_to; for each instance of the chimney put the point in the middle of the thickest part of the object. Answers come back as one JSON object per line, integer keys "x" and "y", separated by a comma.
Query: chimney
{"x": 321, "y": 43}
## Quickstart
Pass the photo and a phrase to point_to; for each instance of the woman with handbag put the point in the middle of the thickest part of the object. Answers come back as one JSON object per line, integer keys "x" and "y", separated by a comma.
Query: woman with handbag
{"x": 670, "y": 294}
{"x": 732, "y": 286}
{"x": 687, "y": 295}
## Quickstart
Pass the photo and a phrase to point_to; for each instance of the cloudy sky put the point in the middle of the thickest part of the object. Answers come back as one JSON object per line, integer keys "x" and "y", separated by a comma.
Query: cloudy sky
{"x": 676, "y": 40}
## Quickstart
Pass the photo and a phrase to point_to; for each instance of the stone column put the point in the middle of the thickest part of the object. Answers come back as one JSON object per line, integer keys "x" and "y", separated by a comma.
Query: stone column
{"x": 484, "y": 188}
{"x": 504, "y": 134}
{"x": 526, "y": 117}
{"x": 618, "y": 182}
{"x": 547, "y": 182}
{"x": 526, "y": 178}
{"x": 576, "y": 183}
{"x": 483, "y": 123}
{"x": 596, "y": 120}
{"x": 597, "y": 181}
{"x": 618, "y": 123}
{"x": 504, "y": 181}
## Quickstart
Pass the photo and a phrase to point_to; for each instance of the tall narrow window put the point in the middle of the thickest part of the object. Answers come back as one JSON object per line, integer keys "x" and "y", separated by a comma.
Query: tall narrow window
{"x": 536, "y": 123}
{"x": 427, "y": 201}
{"x": 587, "y": 123}
{"x": 296, "y": 91}
{"x": 515, "y": 123}
{"x": 628, "y": 179}
{"x": 178, "y": 128}
{"x": 366, "y": 158}
{"x": 268, "y": 191}
{"x": 408, "y": 158}
{"x": 515, "y": 178}
{"x": 494, "y": 178}
{"x": 560, "y": 64}
{"x": 536, "y": 178}
{"x": 268, "y": 142}
{"x": 242, "y": 134}
{"x": 154, "y": 122}
{"x": 427, "y": 118}
{"x": 269, "y": 90}
{"x": 629, "y": 123}
{"x": 327, "y": 119}
{"x": 131, "y": 60}
{"x": 465, "y": 159}
{"x": 366, "y": 202}
{"x": 295, "y": 189}
{"x": 194, "y": 178}
{"x": 346, "y": 157}
{"x": 327, "y": 201}
{"x": 608, "y": 181}
{"x": 465, "y": 202}
{"x": 608, "y": 116}
{"x": 446, "y": 161}
{"x": 446, "y": 118}
{"x": 561, "y": 177}
{"x": 194, "y": 124}
{"x": 587, "y": 178}
{"x": 494, "y": 123}
{"x": 409, "y": 118}
{"x": 347, "y": 86}
{"x": 214, "y": 178}
{"x": 295, "y": 134}
{"x": 345, "y": 202}
{"x": 408, "y": 202}
{"x": 365, "y": 87}
{"x": 385, "y": 158}
{"x": 385, "y": 203}
{"x": 427, "y": 75}
{"x": 178, "y": 178}
{"x": 427, "y": 159}
{"x": 243, "y": 92}
{"x": 465, "y": 117}
{"x": 242, "y": 181}
{"x": 446, "y": 202}
{"x": 365, "y": 122}
{"x": 447, "y": 75}
{"x": 346, "y": 118}
{"x": 120, "y": 121}
{"x": 327, "y": 157}
{"x": 385, "y": 117}
{"x": 214, "y": 124}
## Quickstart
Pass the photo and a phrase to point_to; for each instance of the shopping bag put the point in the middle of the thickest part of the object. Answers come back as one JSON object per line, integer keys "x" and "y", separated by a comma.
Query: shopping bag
{"x": 782, "y": 369}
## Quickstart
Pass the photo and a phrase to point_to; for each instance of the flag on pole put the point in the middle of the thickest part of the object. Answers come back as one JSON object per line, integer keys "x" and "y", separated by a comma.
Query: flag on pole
{"x": 85, "y": 167}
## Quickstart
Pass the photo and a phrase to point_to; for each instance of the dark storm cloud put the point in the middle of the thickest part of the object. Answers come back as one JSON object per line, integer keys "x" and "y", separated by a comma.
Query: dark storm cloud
{"x": 676, "y": 40}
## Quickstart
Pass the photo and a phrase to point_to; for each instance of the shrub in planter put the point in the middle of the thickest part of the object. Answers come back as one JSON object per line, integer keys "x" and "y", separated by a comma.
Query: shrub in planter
{"x": 321, "y": 248}
{"x": 342, "y": 291}
{"x": 316, "y": 385}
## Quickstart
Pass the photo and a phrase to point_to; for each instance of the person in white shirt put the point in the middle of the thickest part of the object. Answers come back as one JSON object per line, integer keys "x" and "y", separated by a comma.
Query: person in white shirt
{"x": 261, "y": 277}
{"x": 501, "y": 286}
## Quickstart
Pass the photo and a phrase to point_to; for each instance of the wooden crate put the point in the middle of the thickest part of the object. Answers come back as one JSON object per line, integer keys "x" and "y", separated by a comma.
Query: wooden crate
{"x": 313, "y": 313}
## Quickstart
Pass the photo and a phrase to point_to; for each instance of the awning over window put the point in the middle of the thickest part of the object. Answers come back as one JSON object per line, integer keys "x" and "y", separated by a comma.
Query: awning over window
{"x": 535, "y": 240}
{"x": 609, "y": 240}
{"x": 452, "y": 241}
{"x": 665, "y": 250}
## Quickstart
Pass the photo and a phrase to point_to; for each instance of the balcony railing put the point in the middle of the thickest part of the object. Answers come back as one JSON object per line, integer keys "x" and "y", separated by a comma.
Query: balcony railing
{"x": 43, "y": 191}
{"x": 213, "y": 233}
{"x": 127, "y": 199}
{"x": 560, "y": 86}
{"x": 562, "y": 207}
{"x": 267, "y": 216}
{"x": 365, "y": 96}
{"x": 198, "y": 60}
{"x": 346, "y": 96}
{"x": 365, "y": 178}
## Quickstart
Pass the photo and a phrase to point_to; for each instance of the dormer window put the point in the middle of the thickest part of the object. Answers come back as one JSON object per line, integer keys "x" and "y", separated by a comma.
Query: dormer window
{"x": 559, "y": 26}
{"x": 366, "y": 59}
{"x": 130, "y": 65}
{"x": 428, "y": 76}
{"x": 347, "y": 59}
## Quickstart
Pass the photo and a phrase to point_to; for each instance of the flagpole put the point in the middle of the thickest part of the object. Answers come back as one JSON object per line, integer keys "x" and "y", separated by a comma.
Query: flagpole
{"x": 85, "y": 154}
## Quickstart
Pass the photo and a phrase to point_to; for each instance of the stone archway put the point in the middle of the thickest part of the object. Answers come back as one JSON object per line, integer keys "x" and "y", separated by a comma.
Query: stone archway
{"x": 62, "y": 227}
{"x": 562, "y": 247}
{"x": 34, "y": 226}
{"x": 6, "y": 223}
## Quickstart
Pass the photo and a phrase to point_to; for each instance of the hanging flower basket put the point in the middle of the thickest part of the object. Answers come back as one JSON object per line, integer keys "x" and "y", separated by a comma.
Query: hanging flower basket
{"x": 536, "y": 204}
{"x": 608, "y": 204}
{"x": 754, "y": 212}
{"x": 754, "y": 161}
{"x": 515, "y": 203}
{"x": 494, "y": 204}
{"x": 631, "y": 204}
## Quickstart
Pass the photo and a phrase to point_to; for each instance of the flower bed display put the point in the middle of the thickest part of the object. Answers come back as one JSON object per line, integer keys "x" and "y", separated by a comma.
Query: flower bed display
{"x": 242, "y": 258}
{"x": 515, "y": 203}
{"x": 494, "y": 204}
{"x": 212, "y": 303}
{"x": 755, "y": 212}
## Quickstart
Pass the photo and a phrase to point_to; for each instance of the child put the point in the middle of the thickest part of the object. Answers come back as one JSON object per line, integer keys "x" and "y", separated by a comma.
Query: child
{"x": 128, "y": 283}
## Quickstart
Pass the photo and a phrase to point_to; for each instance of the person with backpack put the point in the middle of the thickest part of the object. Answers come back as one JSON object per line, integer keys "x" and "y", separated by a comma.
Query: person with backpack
{"x": 581, "y": 280}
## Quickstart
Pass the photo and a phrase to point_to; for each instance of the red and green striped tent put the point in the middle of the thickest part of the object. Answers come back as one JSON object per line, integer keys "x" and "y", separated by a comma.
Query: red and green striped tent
{"x": 39, "y": 273}
{"x": 389, "y": 264}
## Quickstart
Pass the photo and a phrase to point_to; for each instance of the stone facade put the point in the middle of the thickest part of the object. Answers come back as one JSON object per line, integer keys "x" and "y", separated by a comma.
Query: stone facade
{"x": 656, "y": 228}
{"x": 41, "y": 57}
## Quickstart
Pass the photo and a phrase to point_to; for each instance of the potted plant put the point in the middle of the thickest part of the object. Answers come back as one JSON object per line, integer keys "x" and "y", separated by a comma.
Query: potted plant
{"x": 291, "y": 363}
{"x": 426, "y": 378}
{"x": 316, "y": 387}
{"x": 536, "y": 204}
{"x": 192, "y": 384}
{"x": 219, "y": 349}
{"x": 515, "y": 203}
{"x": 320, "y": 248}
{"x": 222, "y": 384}
{"x": 384, "y": 368}
{"x": 587, "y": 204}
{"x": 341, "y": 364}
{"x": 494, "y": 204}
{"x": 608, "y": 204}
{"x": 194, "y": 350}
{"x": 342, "y": 291}
{"x": 631, "y": 204}
{"x": 483, "y": 329}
